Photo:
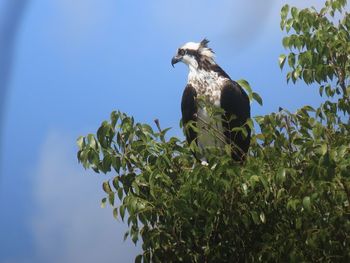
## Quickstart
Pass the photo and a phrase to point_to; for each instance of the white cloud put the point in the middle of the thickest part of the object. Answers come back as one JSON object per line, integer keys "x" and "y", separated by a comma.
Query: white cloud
{"x": 68, "y": 223}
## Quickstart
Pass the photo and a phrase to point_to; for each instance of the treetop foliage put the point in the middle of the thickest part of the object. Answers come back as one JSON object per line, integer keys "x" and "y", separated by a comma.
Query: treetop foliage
{"x": 289, "y": 202}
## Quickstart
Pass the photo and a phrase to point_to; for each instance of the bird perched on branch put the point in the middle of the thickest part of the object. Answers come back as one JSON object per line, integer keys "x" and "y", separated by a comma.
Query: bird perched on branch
{"x": 208, "y": 81}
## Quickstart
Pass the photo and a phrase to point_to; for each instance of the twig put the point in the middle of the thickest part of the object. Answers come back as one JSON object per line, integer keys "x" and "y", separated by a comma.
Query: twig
{"x": 220, "y": 137}
{"x": 218, "y": 132}
{"x": 156, "y": 121}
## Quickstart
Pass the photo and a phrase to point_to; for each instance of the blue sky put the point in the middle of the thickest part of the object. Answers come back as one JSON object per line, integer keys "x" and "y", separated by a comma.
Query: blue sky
{"x": 72, "y": 63}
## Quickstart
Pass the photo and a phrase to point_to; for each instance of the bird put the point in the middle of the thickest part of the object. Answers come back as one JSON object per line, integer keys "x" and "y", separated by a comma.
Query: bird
{"x": 208, "y": 82}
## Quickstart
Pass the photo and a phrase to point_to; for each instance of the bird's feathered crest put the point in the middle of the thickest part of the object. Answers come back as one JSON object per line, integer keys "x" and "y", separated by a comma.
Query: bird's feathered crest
{"x": 204, "y": 43}
{"x": 205, "y": 50}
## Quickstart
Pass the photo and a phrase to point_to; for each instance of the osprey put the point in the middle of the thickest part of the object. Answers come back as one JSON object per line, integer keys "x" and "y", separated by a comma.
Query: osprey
{"x": 207, "y": 80}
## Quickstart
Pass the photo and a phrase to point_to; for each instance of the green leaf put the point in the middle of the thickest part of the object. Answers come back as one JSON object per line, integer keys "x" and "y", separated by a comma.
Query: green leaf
{"x": 120, "y": 193}
{"x": 284, "y": 12}
{"x": 227, "y": 148}
{"x": 323, "y": 149}
{"x": 282, "y": 60}
{"x": 138, "y": 259}
{"x": 309, "y": 108}
{"x": 265, "y": 183}
{"x": 255, "y": 217}
{"x": 114, "y": 118}
{"x": 115, "y": 213}
{"x": 294, "y": 12}
{"x": 289, "y": 24}
{"x": 245, "y": 85}
{"x": 285, "y": 42}
{"x": 281, "y": 177}
{"x": 115, "y": 183}
{"x": 116, "y": 163}
{"x": 126, "y": 235}
{"x": 134, "y": 236}
{"x": 111, "y": 199}
{"x": 106, "y": 164}
{"x": 291, "y": 60}
{"x": 81, "y": 142}
{"x": 122, "y": 211}
{"x": 103, "y": 202}
{"x": 307, "y": 203}
{"x": 292, "y": 204}
{"x": 92, "y": 141}
{"x": 106, "y": 187}
{"x": 257, "y": 98}
{"x": 263, "y": 217}
{"x": 298, "y": 223}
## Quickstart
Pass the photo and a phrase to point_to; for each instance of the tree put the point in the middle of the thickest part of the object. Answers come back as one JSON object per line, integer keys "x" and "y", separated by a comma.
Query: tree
{"x": 290, "y": 199}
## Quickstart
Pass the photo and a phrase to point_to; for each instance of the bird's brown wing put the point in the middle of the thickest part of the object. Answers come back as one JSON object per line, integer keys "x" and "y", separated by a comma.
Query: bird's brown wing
{"x": 235, "y": 103}
{"x": 189, "y": 110}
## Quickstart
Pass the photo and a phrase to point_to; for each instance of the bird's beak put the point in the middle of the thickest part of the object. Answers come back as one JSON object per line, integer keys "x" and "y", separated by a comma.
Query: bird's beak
{"x": 175, "y": 60}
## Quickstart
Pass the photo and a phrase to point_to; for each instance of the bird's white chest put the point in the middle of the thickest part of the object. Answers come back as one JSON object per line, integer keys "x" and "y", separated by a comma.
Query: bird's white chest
{"x": 208, "y": 85}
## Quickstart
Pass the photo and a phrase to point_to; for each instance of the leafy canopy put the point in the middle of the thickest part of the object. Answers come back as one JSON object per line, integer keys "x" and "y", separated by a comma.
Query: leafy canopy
{"x": 290, "y": 199}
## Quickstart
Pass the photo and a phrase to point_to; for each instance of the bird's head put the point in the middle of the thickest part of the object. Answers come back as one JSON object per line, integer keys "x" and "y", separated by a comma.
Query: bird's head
{"x": 195, "y": 55}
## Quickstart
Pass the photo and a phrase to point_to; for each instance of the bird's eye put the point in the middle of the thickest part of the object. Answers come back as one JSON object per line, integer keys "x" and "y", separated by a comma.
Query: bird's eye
{"x": 182, "y": 52}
